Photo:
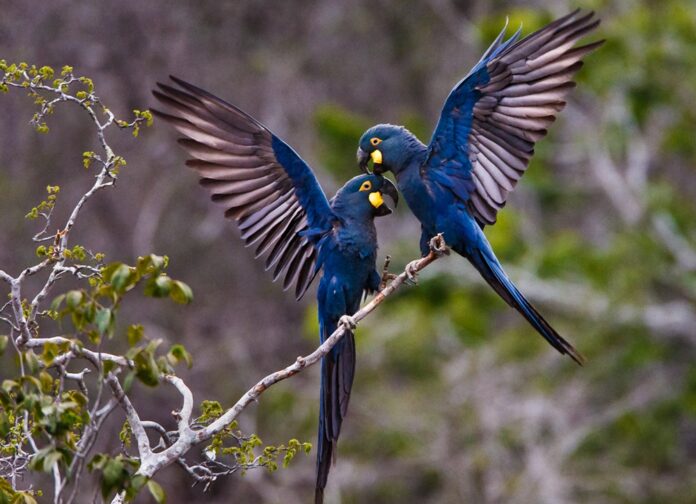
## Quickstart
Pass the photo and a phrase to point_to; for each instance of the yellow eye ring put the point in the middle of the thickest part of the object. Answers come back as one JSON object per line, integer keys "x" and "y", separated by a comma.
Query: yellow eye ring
{"x": 366, "y": 186}
{"x": 375, "y": 141}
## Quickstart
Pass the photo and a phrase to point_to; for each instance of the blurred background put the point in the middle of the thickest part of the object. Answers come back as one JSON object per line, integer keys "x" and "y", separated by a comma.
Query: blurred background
{"x": 456, "y": 398}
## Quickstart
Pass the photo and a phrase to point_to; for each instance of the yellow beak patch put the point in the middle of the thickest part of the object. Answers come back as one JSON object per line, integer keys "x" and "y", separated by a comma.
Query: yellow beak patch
{"x": 376, "y": 198}
{"x": 376, "y": 156}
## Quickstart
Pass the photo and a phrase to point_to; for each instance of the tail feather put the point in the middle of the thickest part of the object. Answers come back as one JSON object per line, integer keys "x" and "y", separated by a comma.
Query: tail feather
{"x": 337, "y": 372}
{"x": 491, "y": 270}
{"x": 319, "y": 495}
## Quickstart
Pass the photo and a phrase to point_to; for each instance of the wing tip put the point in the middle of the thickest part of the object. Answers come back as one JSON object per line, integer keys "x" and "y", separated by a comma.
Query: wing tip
{"x": 575, "y": 355}
{"x": 164, "y": 115}
{"x": 189, "y": 142}
{"x": 179, "y": 81}
{"x": 318, "y": 495}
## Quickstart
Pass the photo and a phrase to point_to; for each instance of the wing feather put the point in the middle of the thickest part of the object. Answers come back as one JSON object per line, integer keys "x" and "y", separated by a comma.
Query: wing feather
{"x": 261, "y": 182}
{"x": 494, "y": 116}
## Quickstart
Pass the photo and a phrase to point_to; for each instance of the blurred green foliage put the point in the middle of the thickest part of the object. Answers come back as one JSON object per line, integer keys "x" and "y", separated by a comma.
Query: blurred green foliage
{"x": 648, "y": 65}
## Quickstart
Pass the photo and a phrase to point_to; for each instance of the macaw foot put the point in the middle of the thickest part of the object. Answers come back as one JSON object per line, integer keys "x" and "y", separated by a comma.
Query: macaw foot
{"x": 348, "y": 323}
{"x": 438, "y": 245}
{"x": 411, "y": 271}
{"x": 386, "y": 278}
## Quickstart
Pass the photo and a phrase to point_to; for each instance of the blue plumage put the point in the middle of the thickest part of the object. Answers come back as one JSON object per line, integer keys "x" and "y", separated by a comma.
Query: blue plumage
{"x": 347, "y": 256}
{"x": 307, "y": 188}
{"x": 482, "y": 145}
{"x": 279, "y": 206}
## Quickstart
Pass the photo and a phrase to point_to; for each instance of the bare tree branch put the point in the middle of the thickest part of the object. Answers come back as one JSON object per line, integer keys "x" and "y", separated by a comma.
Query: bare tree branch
{"x": 132, "y": 416}
{"x": 187, "y": 437}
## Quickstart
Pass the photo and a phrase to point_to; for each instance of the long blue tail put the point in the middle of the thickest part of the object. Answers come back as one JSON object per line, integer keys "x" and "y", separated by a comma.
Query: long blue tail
{"x": 487, "y": 264}
{"x": 337, "y": 371}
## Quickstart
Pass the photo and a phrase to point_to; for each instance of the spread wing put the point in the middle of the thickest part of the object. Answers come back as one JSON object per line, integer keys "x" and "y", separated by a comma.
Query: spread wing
{"x": 492, "y": 118}
{"x": 262, "y": 183}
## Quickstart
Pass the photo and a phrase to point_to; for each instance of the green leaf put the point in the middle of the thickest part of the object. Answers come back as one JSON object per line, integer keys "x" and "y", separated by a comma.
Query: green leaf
{"x": 157, "y": 492}
{"x": 27, "y": 497}
{"x": 9, "y": 385}
{"x": 178, "y": 354}
{"x": 146, "y": 368}
{"x": 114, "y": 476}
{"x": 50, "y": 352}
{"x": 108, "y": 270}
{"x": 46, "y": 382}
{"x": 181, "y": 293}
{"x": 135, "y": 334}
{"x": 73, "y": 298}
{"x": 32, "y": 380}
{"x": 103, "y": 319}
{"x": 4, "y": 339}
{"x": 57, "y": 301}
{"x": 32, "y": 361}
{"x": 128, "y": 381}
{"x": 136, "y": 484}
{"x": 122, "y": 277}
{"x": 4, "y": 424}
{"x": 6, "y": 491}
{"x": 210, "y": 410}
{"x": 159, "y": 286}
{"x": 151, "y": 264}
{"x": 107, "y": 367}
{"x": 44, "y": 459}
{"x": 97, "y": 462}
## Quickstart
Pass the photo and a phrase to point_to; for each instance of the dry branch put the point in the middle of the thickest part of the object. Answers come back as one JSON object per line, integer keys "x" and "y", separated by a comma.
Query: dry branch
{"x": 188, "y": 437}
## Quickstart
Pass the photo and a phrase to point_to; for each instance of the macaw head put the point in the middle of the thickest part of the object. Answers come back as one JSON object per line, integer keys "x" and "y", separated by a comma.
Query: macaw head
{"x": 362, "y": 196}
{"x": 388, "y": 146}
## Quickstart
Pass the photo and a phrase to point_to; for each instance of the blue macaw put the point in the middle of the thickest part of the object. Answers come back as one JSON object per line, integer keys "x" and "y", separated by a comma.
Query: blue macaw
{"x": 278, "y": 203}
{"x": 482, "y": 145}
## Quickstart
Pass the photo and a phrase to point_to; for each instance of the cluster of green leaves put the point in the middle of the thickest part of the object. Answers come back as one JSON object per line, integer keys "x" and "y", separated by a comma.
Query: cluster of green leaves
{"x": 118, "y": 475}
{"x": 46, "y": 205}
{"x": 93, "y": 310}
{"x": 33, "y": 78}
{"x": 140, "y": 116}
{"x": 38, "y": 403}
{"x": 42, "y": 87}
{"x": 9, "y": 495}
{"x": 58, "y": 413}
{"x": 247, "y": 452}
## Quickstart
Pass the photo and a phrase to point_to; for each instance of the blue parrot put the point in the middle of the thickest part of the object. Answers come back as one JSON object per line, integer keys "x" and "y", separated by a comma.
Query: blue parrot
{"x": 279, "y": 205}
{"x": 482, "y": 145}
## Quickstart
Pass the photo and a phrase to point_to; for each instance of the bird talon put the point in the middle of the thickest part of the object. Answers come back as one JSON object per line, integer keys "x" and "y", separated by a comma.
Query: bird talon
{"x": 411, "y": 271}
{"x": 438, "y": 245}
{"x": 386, "y": 278}
{"x": 349, "y": 323}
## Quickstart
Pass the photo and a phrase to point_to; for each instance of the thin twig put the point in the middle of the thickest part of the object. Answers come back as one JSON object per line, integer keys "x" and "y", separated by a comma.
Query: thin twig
{"x": 151, "y": 462}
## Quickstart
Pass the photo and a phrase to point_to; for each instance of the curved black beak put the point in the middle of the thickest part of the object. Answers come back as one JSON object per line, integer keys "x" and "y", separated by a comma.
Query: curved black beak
{"x": 363, "y": 159}
{"x": 378, "y": 169}
{"x": 389, "y": 189}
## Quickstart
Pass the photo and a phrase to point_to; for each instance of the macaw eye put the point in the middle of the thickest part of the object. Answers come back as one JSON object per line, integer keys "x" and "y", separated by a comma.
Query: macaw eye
{"x": 375, "y": 141}
{"x": 366, "y": 186}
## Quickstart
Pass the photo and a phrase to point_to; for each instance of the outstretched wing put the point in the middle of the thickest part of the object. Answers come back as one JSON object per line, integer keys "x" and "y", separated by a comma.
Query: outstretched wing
{"x": 493, "y": 117}
{"x": 264, "y": 185}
